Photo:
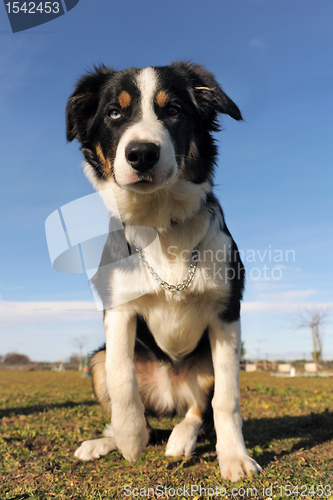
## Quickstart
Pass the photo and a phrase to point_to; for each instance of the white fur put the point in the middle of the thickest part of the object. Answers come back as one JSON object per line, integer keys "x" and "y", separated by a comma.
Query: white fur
{"x": 148, "y": 129}
{"x": 128, "y": 420}
{"x": 95, "y": 448}
{"x": 232, "y": 454}
{"x": 147, "y": 84}
{"x": 179, "y": 201}
{"x": 183, "y": 438}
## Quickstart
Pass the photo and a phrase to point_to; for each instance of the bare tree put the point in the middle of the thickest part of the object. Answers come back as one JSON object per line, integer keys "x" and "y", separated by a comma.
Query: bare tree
{"x": 80, "y": 342}
{"x": 14, "y": 358}
{"x": 314, "y": 319}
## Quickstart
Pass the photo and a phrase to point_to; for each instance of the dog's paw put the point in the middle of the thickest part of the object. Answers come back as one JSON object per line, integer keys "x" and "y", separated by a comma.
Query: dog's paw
{"x": 183, "y": 438}
{"x": 95, "y": 448}
{"x": 132, "y": 446}
{"x": 236, "y": 468}
{"x": 132, "y": 437}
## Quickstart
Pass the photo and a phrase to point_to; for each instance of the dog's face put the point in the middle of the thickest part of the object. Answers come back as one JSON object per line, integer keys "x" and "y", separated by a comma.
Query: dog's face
{"x": 145, "y": 129}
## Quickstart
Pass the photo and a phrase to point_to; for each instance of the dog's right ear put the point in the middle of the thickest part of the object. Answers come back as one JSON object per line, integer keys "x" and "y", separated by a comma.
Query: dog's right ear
{"x": 83, "y": 103}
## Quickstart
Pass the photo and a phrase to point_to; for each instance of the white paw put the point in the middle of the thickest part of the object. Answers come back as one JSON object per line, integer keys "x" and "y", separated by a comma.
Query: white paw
{"x": 183, "y": 438}
{"x": 236, "y": 468}
{"x": 95, "y": 448}
{"x": 131, "y": 446}
{"x": 131, "y": 436}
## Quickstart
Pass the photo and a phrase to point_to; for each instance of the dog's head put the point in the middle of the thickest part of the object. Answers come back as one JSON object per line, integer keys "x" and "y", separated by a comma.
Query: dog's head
{"x": 146, "y": 129}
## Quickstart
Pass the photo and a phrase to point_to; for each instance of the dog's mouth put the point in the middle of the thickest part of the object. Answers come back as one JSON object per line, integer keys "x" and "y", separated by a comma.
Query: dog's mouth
{"x": 145, "y": 180}
{"x": 148, "y": 181}
{"x": 143, "y": 185}
{"x": 150, "y": 178}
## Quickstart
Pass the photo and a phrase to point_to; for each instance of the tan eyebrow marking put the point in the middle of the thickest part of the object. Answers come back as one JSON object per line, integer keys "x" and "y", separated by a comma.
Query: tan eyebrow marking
{"x": 161, "y": 98}
{"x": 124, "y": 99}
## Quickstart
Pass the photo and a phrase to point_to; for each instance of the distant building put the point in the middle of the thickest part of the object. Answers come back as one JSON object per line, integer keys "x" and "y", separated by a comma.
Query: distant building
{"x": 284, "y": 367}
{"x": 310, "y": 368}
{"x": 250, "y": 367}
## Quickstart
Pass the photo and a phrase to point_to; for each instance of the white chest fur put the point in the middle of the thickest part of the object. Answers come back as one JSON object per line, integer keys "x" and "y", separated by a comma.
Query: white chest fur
{"x": 178, "y": 319}
{"x": 177, "y": 327}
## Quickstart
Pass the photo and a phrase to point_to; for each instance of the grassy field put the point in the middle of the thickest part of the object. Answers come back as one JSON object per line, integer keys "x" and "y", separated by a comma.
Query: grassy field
{"x": 288, "y": 428}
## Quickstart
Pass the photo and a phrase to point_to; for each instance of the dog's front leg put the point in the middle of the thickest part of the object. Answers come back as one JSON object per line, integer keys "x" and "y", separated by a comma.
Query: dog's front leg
{"x": 233, "y": 457}
{"x": 128, "y": 420}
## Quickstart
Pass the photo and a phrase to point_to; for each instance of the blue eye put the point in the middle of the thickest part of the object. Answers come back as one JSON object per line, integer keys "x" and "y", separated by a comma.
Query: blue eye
{"x": 114, "y": 114}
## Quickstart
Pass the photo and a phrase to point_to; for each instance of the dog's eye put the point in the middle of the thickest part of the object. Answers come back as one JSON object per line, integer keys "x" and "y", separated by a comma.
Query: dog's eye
{"x": 114, "y": 114}
{"x": 174, "y": 110}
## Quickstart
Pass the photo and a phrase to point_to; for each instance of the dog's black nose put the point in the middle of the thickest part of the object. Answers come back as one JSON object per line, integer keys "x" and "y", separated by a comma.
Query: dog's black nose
{"x": 142, "y": 155}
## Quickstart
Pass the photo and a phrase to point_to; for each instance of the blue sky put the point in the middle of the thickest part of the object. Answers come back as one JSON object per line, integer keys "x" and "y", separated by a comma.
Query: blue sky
{"x": 274, "y": 59}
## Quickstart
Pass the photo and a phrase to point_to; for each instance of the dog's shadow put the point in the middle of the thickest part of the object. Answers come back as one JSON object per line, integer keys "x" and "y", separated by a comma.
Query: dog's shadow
{"x": 39, "y": 408}
{"x": 309, "y": 431}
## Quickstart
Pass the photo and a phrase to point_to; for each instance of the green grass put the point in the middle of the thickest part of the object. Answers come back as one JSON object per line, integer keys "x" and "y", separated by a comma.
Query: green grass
{"x": 288, "y": 428}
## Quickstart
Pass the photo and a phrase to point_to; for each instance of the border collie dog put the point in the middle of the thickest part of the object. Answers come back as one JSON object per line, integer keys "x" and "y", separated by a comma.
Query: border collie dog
{"x": 171, "y": 315}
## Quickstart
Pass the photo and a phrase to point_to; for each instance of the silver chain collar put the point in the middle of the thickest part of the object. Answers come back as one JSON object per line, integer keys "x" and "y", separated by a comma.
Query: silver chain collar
{"x": 164, "y": 284}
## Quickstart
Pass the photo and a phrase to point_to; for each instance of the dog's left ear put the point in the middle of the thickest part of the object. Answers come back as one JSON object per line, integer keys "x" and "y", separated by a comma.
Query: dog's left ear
{"x": 206, "y": 93}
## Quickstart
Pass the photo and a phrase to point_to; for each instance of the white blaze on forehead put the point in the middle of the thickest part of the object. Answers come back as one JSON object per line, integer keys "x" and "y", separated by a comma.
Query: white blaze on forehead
{"x": 147, "y": 84}
{"x": 147, "y": 129}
